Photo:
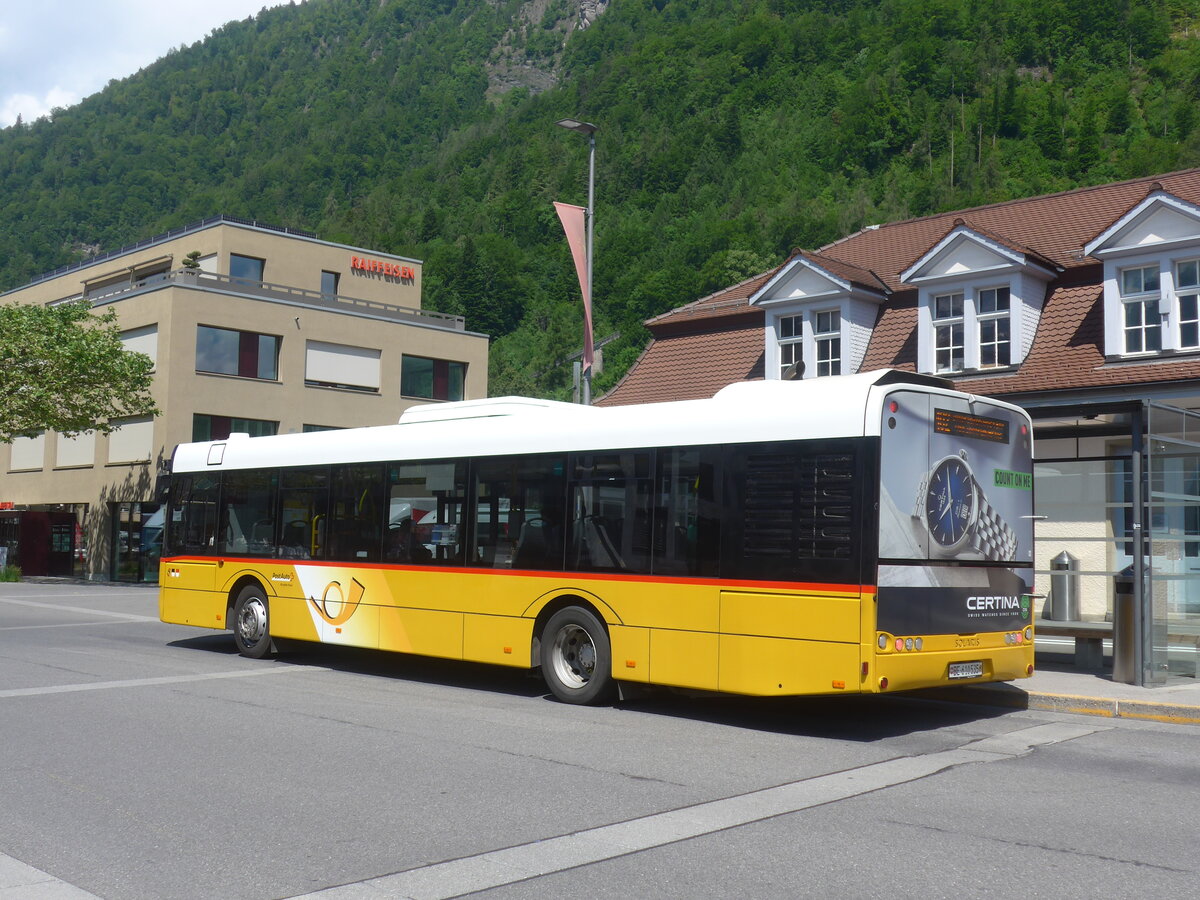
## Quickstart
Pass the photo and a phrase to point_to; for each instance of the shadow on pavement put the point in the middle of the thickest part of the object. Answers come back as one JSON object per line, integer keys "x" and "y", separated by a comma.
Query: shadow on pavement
{"x": 861, "y": 718}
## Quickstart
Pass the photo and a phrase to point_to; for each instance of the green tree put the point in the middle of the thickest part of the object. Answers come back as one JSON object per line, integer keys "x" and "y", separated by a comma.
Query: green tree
{"x": 63, "y": 368}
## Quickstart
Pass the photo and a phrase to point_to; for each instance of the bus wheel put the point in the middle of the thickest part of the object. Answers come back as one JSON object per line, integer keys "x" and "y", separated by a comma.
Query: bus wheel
{"x": 576, "y": 657}
{"x": 251, "y": 625}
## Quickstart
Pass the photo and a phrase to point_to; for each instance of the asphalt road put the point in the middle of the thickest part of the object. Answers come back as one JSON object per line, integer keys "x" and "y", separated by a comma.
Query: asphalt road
{"x": 143, "y": 760}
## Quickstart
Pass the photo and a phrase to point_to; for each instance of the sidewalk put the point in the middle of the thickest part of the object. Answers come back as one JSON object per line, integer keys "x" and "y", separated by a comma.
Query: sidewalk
{"x": 1060, "y": 687}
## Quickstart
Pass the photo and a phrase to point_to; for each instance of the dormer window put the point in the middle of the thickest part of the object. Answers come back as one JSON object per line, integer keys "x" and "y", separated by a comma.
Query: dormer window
{"x": 979, "y": 300}
{"x": 1187, "y": 288}
{"x": 827, "y": 335}
{"x": 1151, "y": 277}
{"x": 1139, "y": 302}
{"x": 819, "y": 313}
{"x": 995, "y": 342}
{"x": 948, "y": 332}
{"x": 791, "y": 342}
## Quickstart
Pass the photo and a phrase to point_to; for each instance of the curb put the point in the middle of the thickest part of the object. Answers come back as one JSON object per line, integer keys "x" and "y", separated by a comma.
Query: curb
{"x": 1105, "y": 707}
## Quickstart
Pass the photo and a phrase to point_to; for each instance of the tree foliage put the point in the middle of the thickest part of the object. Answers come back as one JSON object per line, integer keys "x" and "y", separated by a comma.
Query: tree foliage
{"x": 65, "y": 369}
{"x": 729, "y": 134}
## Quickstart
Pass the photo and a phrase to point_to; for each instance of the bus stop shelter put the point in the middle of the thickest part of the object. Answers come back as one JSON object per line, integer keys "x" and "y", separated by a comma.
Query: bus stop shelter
{"x": 1117, "y": 500}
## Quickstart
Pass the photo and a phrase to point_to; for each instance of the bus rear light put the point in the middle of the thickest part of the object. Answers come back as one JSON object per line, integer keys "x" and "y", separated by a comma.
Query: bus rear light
{"x": 893, "y": 407}
{"x": 1028, "y": 633}
{"x": 908, "y": 643}
{"x": 883, "y": 683}
{"x": 1020, "y": 637}
{"x": 1029, "y": 669}
{"x": 899, "y": 643}
{"x": 919, "y": 643}
{"x": 866, "y": 669}
{"x": 883, "y": 642}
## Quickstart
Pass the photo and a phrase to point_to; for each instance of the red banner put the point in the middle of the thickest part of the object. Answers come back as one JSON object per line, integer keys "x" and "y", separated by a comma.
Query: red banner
{"x": 574, "y": 223}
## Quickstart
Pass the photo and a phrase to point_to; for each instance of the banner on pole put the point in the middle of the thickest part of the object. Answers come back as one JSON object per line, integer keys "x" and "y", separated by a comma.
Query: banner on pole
{"x": 574, "y": 223}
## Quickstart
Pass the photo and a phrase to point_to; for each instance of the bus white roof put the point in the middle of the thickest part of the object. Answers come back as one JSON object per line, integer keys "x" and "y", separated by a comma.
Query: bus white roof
{"x": 843, "y": 406}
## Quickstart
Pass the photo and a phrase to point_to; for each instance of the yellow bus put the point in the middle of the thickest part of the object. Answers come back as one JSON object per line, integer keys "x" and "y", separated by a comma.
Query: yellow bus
{"x": 853, "y": 534}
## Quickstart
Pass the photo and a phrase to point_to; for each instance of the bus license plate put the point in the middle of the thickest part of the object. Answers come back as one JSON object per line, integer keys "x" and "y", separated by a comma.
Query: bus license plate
{"x": 966, "y": 669}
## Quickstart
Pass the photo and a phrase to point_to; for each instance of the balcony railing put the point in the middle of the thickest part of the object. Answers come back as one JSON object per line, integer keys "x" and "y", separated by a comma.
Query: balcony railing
{"x": 282, "y": 293}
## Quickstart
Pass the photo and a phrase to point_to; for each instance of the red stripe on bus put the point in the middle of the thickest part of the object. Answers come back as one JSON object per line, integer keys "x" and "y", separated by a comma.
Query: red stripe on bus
{"x": 697, "y": 581}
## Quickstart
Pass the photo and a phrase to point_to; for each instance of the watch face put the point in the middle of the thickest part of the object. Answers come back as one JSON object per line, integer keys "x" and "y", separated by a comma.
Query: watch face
{"x": 950, "y": 502}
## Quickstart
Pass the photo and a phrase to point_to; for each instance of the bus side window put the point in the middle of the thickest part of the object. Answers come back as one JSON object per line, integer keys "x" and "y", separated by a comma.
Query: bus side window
{"x": 303, "y": 504}
{"x": 192, "y": 524}
{"x": 425, "y": 513}
{"x": 247, "y": 514}
{"x": 356, "y": 513}
{"x": 687, "y": 516}
{"x": 610, "y": 511}
{"x": 519, "y": 504}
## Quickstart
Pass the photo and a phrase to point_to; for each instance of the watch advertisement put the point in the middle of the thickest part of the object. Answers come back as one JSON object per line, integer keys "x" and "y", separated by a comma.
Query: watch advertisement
{"x": 956, "y": 481}
{"x": 953, "y": 599}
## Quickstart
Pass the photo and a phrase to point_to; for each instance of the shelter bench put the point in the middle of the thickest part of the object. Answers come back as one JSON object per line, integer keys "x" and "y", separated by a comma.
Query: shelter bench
{"x": 1089, "y": 638}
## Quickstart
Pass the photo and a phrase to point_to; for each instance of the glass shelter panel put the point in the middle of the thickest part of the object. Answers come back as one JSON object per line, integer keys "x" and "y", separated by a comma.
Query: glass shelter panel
{"x": 1173, "y": 546}
{"x": 1085, "y": 511}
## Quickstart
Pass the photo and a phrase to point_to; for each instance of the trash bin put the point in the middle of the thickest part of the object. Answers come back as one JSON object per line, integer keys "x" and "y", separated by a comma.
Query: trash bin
{"x": 1064, "y": 588}
{"x": 1125, "y": 629}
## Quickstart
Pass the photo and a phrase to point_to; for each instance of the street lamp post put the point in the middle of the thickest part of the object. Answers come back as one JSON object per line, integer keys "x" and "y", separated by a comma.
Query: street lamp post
{"x": 590, "y": 130}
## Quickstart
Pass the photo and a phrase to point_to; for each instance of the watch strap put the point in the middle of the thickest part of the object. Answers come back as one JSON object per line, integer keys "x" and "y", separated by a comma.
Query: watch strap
{"x": 993, "y": 537}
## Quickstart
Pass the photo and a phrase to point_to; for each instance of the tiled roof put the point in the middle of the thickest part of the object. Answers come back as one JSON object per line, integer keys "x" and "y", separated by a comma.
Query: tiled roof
{"x": 1055, "y": 226}
{"x": 728, "y": 302}
{"x": 704, "y": 345}
{"x": 695, "y": 365}
{"x": 1067, "y": 353}
{"x": 846, "y": 271}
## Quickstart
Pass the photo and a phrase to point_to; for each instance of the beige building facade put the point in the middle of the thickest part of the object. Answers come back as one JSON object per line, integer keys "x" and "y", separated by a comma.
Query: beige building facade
{"x": 252, "y": 328}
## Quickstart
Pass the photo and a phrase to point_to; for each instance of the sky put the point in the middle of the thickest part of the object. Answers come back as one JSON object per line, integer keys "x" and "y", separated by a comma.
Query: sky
{"x": 53, "y": 53}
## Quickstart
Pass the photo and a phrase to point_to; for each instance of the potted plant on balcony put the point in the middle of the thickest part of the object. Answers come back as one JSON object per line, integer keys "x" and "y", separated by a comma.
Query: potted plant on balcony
{"x": 191, "y": 264}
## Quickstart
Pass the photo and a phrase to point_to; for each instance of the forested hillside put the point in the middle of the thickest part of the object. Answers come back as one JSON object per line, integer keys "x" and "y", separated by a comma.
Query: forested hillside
{"x": 730, "y": 132}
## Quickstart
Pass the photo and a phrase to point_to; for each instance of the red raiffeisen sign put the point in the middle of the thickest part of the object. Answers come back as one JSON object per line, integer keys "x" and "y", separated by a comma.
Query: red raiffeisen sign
{"x": 382, "y": 267}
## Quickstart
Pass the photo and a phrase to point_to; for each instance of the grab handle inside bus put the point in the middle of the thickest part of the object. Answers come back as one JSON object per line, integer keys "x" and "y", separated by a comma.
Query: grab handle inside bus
{"x": 315, "y": 540}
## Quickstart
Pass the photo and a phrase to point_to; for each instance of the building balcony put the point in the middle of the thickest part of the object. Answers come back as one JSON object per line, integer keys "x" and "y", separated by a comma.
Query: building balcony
{"x": 275, "y": 293}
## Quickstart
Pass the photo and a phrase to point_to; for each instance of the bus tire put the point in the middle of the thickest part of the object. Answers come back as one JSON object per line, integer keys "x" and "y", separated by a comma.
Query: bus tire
{"x": 577, "y": 657}
{"x": 252, "y": 623}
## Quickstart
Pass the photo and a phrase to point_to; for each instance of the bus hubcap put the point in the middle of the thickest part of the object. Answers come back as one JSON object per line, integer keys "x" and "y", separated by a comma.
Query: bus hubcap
{"x": 574, "y": 656}
{"x": 253, "y": 621}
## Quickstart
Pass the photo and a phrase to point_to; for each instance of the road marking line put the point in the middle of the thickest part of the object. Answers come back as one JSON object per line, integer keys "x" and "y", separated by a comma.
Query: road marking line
{"x": 59, "y": 625}
{"x": 151, "y": 682}
{"x": 19, "y": 880}
{"x": 103, "y": 613}
{"x": 456, "y": 877}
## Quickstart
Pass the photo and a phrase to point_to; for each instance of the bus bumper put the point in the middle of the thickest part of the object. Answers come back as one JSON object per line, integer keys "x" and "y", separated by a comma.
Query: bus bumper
{"x": 911, "y": 671}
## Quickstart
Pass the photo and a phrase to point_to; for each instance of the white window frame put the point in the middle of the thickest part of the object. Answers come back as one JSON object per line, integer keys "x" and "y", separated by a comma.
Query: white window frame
{"x": 976, "y": 313}
{"x": 947, "y": 325}
{"x": 996, "y": 316}
{"x": 827, "y": 342}
{"x": 1170, "y": 307}
{"x": 791, "y": 345}
{"x": 1146, "y": 304}
{"x": 1189, "y": 324}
